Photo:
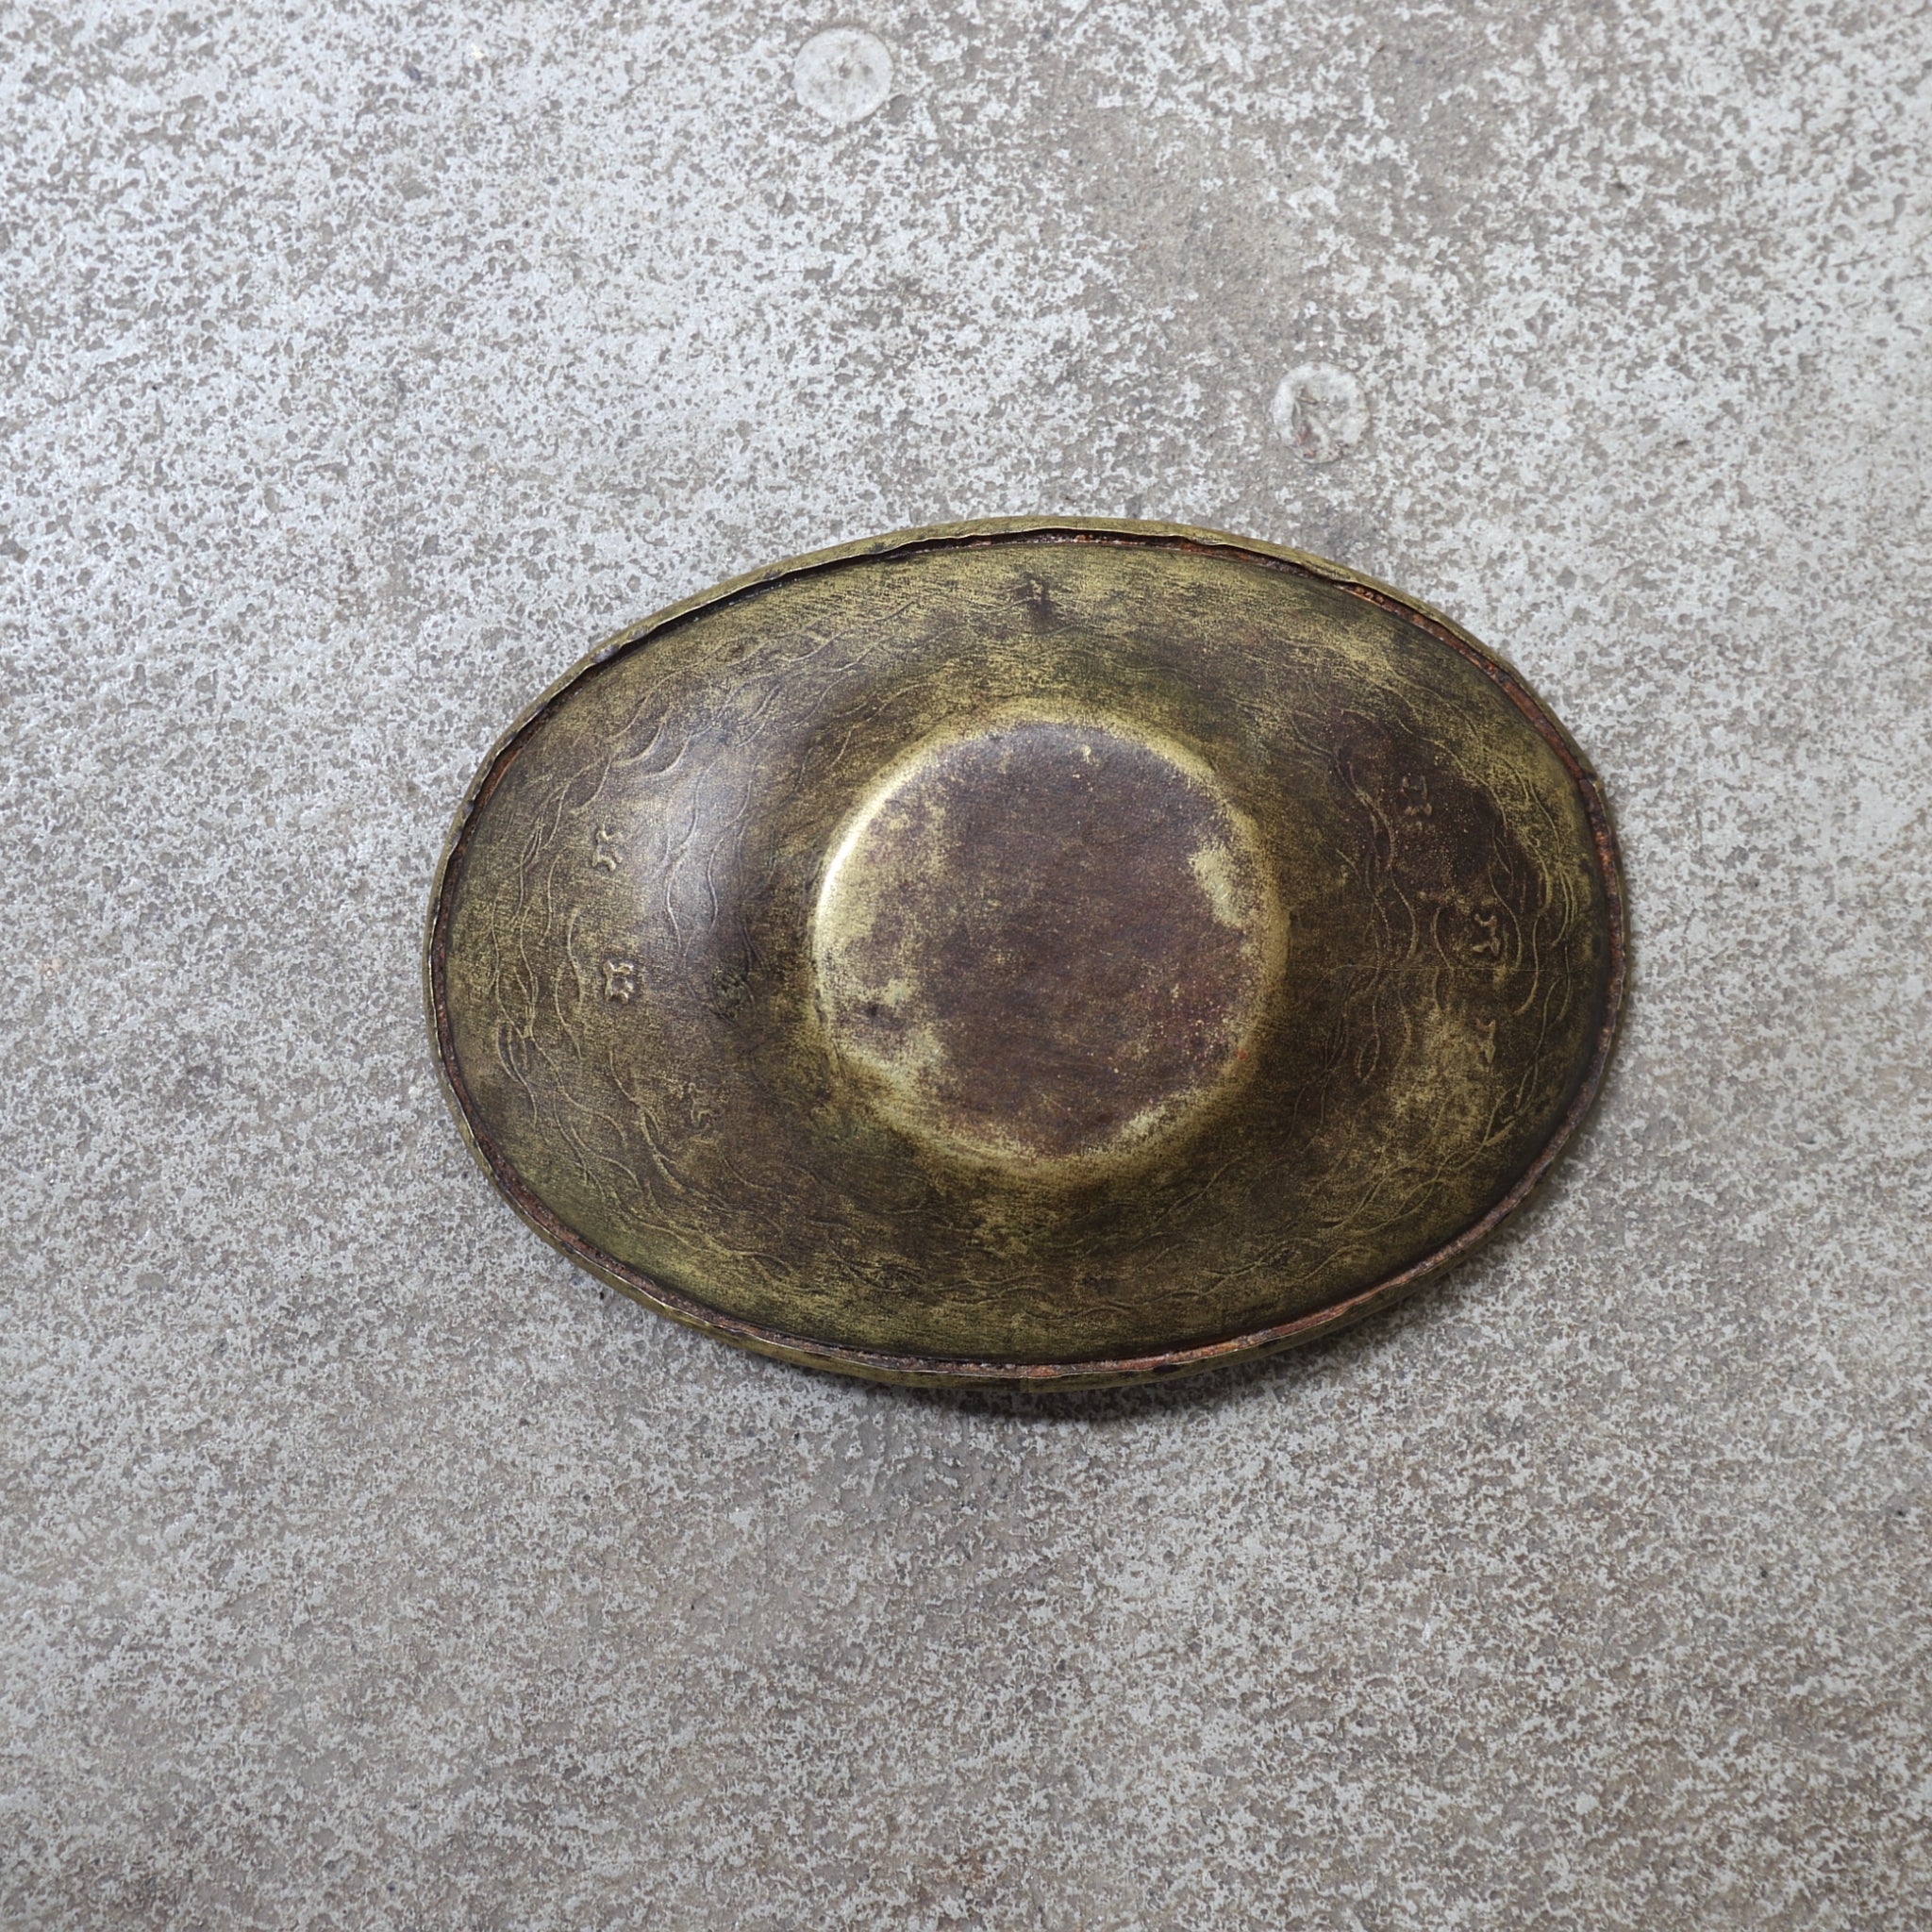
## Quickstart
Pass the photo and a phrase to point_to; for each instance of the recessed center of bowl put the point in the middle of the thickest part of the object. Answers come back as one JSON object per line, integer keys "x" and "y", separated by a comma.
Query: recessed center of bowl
{"x": 1046, "y": 942}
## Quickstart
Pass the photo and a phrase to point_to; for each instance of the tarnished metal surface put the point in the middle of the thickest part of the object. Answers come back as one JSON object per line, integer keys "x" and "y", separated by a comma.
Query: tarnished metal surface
{"x": 1028, "y": 951}
{"x": 1049, "y": 942}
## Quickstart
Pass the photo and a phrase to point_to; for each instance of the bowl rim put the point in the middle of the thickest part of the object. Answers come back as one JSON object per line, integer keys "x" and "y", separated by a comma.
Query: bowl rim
{"x": 956, "y": 1372}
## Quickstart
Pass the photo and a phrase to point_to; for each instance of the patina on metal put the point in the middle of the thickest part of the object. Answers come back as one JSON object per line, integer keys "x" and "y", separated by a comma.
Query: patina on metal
{"x": 1039, "y": 952}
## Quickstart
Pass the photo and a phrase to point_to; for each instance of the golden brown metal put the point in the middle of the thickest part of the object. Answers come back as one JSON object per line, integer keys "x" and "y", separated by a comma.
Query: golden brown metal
{"x": 1044, "y": 951}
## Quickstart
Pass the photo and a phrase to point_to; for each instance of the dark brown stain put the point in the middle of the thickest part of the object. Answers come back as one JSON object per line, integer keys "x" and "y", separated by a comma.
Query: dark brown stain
{"x": 1043, "y": 960}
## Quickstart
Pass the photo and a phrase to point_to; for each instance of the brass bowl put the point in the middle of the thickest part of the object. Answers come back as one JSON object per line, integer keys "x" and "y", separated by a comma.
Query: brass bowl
{"x": 1046, "y": 952}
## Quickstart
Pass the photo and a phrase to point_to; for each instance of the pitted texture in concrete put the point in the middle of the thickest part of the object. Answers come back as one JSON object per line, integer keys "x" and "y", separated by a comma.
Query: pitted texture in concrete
{"x": 362, "y": 1565}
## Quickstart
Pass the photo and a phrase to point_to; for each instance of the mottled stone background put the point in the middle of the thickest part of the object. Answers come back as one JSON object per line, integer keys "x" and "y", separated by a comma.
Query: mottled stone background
{"x": 361, "y": 1564}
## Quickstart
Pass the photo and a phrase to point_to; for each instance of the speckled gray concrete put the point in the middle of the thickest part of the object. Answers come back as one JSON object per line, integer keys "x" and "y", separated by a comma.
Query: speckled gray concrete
{"x": 365, "y": 1566}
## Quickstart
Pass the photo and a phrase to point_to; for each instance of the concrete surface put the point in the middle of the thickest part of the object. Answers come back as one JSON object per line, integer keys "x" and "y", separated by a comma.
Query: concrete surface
{"x": 364, "y": 1565}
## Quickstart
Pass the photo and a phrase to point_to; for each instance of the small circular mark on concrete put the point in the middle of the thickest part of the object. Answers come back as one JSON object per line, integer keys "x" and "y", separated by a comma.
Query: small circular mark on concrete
{"x": 843, "y": 73}
{"x": 1320, "y": 411}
